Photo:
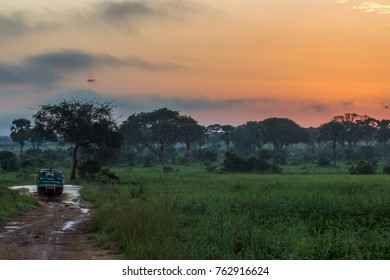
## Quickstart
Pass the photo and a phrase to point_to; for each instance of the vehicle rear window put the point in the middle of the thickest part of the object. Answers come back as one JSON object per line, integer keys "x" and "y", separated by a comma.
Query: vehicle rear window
{"x": 56, "y": 175}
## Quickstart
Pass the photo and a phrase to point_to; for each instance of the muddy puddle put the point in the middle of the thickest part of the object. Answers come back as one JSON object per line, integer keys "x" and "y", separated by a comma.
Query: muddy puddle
{"x": 70, "y": 198}
{"x": 56, "y": 229}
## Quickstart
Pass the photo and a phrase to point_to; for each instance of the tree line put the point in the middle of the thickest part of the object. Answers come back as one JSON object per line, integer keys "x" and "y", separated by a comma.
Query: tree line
{"x": 91, "y": 128}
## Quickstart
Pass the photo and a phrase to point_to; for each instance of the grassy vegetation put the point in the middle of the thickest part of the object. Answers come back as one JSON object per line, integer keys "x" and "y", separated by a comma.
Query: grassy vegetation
{"x": 193, "y": 214}
{"x": 13, "y": 201}
{"x": 306, "y": 212}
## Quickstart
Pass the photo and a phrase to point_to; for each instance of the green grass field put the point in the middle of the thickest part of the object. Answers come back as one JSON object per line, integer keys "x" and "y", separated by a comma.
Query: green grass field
{"x": 194, "y": 214}
{"x": 13, "y": 201}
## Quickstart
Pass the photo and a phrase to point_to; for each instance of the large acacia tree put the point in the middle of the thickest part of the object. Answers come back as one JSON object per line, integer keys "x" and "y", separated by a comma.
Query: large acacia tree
{"x": 161, "y": 128}
{"x": 282, "y": 132}
{"x": 356, "y": 128}
{"x": 156, "y": 130}
{"x": 87, "y": 125}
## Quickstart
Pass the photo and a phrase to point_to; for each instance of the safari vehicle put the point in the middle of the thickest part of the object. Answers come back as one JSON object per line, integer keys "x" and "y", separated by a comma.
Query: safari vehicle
{"x": 50, "y": 181}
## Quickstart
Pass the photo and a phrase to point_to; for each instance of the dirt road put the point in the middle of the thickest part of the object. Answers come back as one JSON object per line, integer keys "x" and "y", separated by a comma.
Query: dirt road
{"x": 55, "y": 230}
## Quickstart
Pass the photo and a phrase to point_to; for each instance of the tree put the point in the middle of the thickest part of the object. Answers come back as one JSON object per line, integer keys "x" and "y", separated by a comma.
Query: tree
{"x": 282, "y": 132}
{"x": 86, "y": 125}
{"x": 383, "y": 133}
{"x": 20, "y": 131}
{"x": 368, "y": 128}
{"x": 226, "y": 134}
{"x": 356, "y": 128}
{"x": 316, "y": 142}
{"x": 189, "y": 131}
{"x": 214, "y": 130}
{"x": 256, "y": 133}
{"x": 249, "y": 137}
{"x": 156, "y": 130}
{"x": 213, "y": 133}
{"x": 38, "y": 136}
{"x": 241, "y": 141}
{"x": 333, "y": 132}
{"x": 161, "y": 128}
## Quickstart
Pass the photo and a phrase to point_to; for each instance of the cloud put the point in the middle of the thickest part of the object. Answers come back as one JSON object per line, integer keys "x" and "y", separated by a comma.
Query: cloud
{"x": 17, "y": 75}
{"x": 374, "y": 7}
{"x": 44, "y": 68}
{"x": 70, "y": 60}
{"x": 155, "y": 101}
{"x": 67, "y": 60}
{"x": 13, "y": 24}
{"x": 199, "y": 107}
{"x": 147, "y": 102}
{"x": 52, "y": 67}
{"x": 19, "y": 23}
{"x": 125, "y": 11}
{"x": 340, "y": 105}
{"x": 127, "y": 14}
{"x": 234, "y": 111}
{"x": 124, "y": 106}
{"x": 133, "y": 62}
{"x": 318, "y": 107}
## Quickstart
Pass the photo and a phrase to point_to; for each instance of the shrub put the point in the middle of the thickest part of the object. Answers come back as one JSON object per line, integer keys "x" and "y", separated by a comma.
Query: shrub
{"x": 276, "y": 168}
{"x": 92, "y": 169}
{"x": 265, "y": 154}
{"x": 363, "y": 167}
{"x": 211, "y": 168}
{"x": 235, "y": 163}
{"x": 39, "y": 158}
{"x": 280, "y": 157}
{"x": 367, "y": 153}
{"x": 89, "y": 168}
{"x": 386, "y": 168}
{"x": 324, "y": 161}
{"x": 106, "y": 176}
{"x": 25, "y": 163}
{"x": 167, "y": 169}
{"x": 8, "y": 161}
{"x": 182, "y": 160}
{"x": 205, "y": 154}
{"x": 147, "y": 160}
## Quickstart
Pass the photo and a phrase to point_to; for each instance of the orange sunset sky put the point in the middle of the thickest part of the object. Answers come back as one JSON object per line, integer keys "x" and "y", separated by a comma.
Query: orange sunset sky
{"x": 224, "y": 62}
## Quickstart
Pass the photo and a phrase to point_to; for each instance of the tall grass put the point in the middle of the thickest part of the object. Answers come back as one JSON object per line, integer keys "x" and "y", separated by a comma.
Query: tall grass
{"x": 192, "y": 214}
{"x": 13, "y": 201}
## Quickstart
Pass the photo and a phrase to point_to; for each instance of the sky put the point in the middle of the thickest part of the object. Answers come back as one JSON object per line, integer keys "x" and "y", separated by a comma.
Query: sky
{"x": 224, "y": 62}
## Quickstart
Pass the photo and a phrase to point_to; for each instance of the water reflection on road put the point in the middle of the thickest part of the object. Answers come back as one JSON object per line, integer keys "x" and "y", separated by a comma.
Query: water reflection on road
{"x": 69, "y": 198}
{"x": 71, "y": 192}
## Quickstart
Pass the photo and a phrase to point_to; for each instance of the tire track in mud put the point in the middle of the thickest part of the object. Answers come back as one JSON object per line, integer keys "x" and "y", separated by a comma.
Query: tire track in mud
{"x": 55, "y": 230}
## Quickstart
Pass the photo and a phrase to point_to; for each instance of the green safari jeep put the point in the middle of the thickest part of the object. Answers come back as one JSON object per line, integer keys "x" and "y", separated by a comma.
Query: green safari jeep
{"x": 50, "y": 181}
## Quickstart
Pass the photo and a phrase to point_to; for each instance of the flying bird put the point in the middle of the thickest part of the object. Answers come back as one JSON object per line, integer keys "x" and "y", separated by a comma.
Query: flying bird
{"x": 91, "y": 78}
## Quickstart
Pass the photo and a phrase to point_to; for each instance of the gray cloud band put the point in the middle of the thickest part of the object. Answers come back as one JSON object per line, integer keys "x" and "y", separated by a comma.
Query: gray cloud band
{"x": 51, "y": 67}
